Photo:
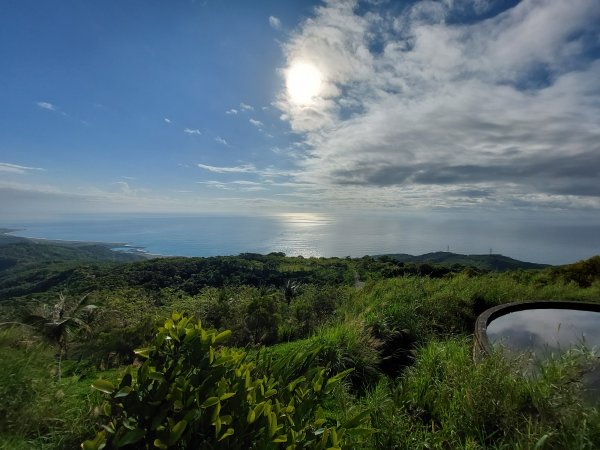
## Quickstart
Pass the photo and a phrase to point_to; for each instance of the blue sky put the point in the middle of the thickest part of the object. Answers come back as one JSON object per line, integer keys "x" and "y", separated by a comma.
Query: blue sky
{"x": 188, "y": 106}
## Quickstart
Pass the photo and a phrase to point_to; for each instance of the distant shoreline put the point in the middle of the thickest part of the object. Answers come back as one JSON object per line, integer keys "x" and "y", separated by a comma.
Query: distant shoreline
{"x": 112, "y": 246}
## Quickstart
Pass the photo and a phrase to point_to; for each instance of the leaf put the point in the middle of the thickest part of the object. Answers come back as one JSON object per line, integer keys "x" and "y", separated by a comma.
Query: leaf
{"x": 540, "y": 443}
{"x": 294, "y": 383}
{"x": 210, "y": 401}
{"x": 270, "y": 393}
{"x": 258, "y": 409}
{"x": 339, "y": 376}
{"x": 156, "y": 376}
{"x": 98, "y": 443}
{"x": 103, "y": 386}
{"x": 226, "y": 395}
{"x": 131, "y": 437}
{"x": 160, "y": 444}
{"x": 123, "y": 392}
{"x": 221, "y": 336}
{"x": 177, "y": 431}
{"x": 127, "y": 379}
{"x": 280, "y": 438}
{"x": 229, "y": 432}
{"x": 273, "y": 424}
{"x": 143, "y": 352}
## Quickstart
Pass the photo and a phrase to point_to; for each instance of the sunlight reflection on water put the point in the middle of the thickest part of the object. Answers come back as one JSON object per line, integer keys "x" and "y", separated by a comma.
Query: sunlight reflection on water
{"x": 328, "y": 234}
{"x": 544, "y": 330}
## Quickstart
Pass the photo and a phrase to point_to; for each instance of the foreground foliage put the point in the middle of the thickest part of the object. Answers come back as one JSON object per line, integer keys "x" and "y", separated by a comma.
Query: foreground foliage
{"x": 190, "y": 390}
{"x": 404, "y": 331}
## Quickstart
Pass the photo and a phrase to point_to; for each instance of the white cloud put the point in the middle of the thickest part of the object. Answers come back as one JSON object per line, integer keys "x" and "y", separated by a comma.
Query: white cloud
{"x": 275, "y": 22}
{"x": 15, "y": 168}
{"x": 220, "y": 140}
{"x": 238, "y": 185}
{"x": 246, "y": 183}
{"x": 231, "y": 111}
{"x": 192, "y": 131}
{"x": 246, "y": 107}
{"x": 46, "y": 105}
{"x": 413, "y": 110}
{"x": 266, "y": 173}
{"x": 51, "y": 107}
{"x": 214, "y": 184}
{"x": 167, "y": 120}
{"x": 246, "y": 168}
{"x": 123, "y": 187}
{"x": 256, "y": 123}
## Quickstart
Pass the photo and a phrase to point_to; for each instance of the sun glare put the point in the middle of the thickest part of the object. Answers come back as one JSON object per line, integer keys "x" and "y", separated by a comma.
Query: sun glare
{"x": 303, "y": 83}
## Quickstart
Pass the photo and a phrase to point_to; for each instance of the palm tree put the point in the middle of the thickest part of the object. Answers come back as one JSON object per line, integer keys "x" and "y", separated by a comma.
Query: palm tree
{"x": 291, "y": 289}
{"x": 57, "y": 322}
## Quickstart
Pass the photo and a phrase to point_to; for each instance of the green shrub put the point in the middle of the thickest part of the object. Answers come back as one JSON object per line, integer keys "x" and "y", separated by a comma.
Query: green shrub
{"x": 193, "y": 391}
{"x": 251, "y": 314}
{"x": 312, "y": 308}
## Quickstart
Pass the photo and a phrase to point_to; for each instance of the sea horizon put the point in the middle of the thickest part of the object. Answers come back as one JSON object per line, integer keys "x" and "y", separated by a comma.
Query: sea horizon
{"x": 323, "y": 235}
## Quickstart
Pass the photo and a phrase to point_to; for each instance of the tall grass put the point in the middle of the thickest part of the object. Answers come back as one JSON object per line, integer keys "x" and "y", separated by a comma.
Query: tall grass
{"x": 36, "y": 410}
{"x": 340, "y": 346}
{"x": 445, "y": 400}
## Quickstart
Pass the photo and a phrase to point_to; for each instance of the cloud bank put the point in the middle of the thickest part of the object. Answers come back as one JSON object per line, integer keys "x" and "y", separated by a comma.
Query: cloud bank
{"x": 450, "y": 104}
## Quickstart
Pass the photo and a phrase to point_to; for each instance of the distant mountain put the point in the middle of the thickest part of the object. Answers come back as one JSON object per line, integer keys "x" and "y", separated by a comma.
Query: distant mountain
{"x": 488, "y": 262}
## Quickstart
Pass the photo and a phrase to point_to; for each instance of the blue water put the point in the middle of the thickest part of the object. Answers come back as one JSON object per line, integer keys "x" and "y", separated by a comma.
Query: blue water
{"x": 540, "y": 240}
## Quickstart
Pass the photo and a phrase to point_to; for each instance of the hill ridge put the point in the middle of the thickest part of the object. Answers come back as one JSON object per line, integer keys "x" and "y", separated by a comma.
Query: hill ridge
{"x": 493, "y": 261}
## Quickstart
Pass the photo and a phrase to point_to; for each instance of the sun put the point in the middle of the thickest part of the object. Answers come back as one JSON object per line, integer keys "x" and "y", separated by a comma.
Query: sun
{"x": 304, "y": 82}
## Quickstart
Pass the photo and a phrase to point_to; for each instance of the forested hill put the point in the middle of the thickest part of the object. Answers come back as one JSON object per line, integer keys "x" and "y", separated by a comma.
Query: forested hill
{"x": 18, "y": 250}
{"x": 35, "y": 265}
{"x": 493, "y": 262}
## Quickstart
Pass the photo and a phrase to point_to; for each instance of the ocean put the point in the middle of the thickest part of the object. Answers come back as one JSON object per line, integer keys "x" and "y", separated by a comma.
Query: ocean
{"x": 547, "y": 239}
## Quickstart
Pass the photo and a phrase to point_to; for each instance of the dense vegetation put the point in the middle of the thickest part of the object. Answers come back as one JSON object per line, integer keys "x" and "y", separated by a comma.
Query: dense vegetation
{"x": 403, "y": 329}
{"x": 28, "y": 265}
{"x": 486, "y": 262}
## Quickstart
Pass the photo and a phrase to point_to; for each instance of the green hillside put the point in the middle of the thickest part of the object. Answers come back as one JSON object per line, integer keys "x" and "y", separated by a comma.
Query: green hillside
{"x": 266, "y": 351}
{"x": 492, "y": 262}
{"x": 35, "y": 265}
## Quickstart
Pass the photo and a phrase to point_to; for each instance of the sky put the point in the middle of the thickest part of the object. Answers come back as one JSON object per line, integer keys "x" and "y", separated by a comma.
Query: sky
{"x": 485, "y": 106}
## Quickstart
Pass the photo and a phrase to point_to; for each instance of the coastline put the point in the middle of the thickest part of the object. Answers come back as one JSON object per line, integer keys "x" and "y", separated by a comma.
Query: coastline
{"x": 117, "y": 247}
